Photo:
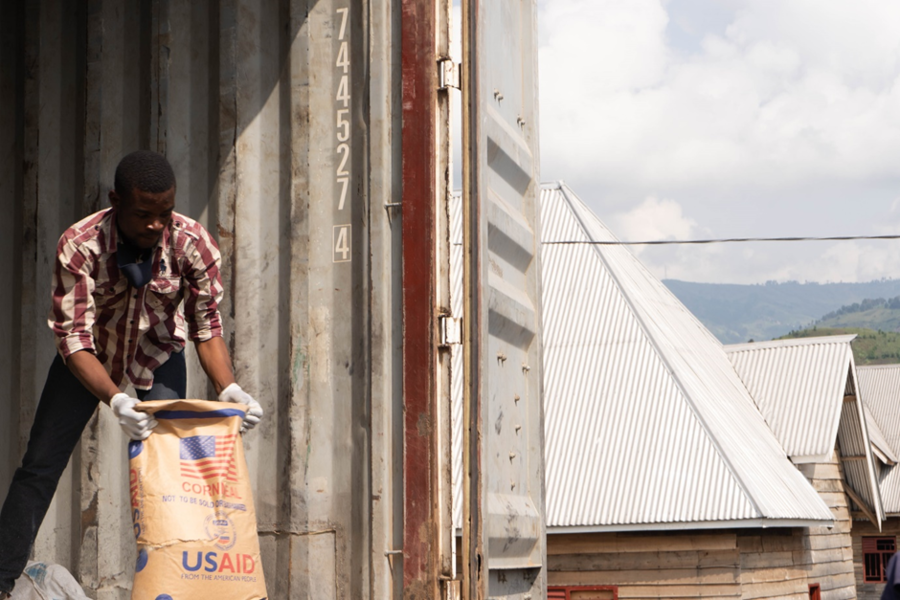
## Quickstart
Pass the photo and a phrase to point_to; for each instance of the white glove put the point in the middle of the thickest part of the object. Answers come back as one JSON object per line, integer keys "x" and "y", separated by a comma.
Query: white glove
{"x": 137, "y": 425}
{"x": 234, "y": 393}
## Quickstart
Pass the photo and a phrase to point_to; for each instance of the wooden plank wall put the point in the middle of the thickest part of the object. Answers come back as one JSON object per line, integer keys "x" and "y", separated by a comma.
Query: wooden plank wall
{"x": 781, "y": 563}
{"x": 653, "y": 565}
{"x": 830, "y": 553}
{"x": 773, "y": 563}
{"x": 891, "y": 527}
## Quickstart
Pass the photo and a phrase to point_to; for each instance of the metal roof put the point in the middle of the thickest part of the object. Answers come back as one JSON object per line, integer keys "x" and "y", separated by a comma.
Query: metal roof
{"x": 860, "y": 475}
{"x": 880, "y": 389}
{"x": 647, "y": 423}
{"x": 805, "y": 390}
{"x": 798, "y": 386}
{"x": 880, "y": 445}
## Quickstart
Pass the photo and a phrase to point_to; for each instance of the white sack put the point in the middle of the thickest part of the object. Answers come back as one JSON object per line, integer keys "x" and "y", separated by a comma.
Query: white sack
{"x": 41, "y": 581}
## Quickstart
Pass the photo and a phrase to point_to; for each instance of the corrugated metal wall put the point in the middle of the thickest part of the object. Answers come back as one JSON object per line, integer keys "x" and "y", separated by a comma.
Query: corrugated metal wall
{"x": 243, "y": 96}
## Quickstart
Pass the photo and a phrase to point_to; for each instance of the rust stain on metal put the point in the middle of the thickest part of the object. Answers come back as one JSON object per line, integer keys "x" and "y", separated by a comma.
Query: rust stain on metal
{"x": 419, "y": 135}
{"x": 424, "y": 425}
{"x": 89, "y": 515}
{"x": 224, "y": 233}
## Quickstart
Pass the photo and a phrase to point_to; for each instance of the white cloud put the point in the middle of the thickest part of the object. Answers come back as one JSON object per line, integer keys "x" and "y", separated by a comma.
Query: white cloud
{"x": 654, "y": 219}
{"x": 749, "y": 263}
{"x": 858, "y": 261}
{"x": 662, "y": 219}
{"x": 768, "y": 125}
{"x": 600, "y": 47}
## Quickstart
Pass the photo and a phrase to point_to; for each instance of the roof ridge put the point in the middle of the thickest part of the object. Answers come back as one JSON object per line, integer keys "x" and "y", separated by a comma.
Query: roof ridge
{"x": 887, "y": 367}
{"x": 664, "y": 358}
{"x": 807, "y": 341}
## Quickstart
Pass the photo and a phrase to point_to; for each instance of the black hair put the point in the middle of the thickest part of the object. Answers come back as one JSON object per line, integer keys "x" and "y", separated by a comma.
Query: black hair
{"x": 146, "y": 171}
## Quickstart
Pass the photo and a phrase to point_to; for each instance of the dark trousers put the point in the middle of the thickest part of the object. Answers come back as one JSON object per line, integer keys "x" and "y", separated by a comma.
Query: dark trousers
{"x": 64, "y": 410}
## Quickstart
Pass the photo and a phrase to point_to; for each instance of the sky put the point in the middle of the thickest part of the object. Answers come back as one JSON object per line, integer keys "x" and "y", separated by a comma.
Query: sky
{"x": 685, "y": 119}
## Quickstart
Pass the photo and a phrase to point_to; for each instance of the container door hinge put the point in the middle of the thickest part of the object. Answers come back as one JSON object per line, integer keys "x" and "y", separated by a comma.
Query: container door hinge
{"x": 451, "y": 330}
{"x": 452, "y": 589}
{"x": 448, "y": 74}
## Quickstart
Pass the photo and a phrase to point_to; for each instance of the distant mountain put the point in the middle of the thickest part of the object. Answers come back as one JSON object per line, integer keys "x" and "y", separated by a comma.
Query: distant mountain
{"x": 869, "y": 348}
{"x": 738, "y": 313}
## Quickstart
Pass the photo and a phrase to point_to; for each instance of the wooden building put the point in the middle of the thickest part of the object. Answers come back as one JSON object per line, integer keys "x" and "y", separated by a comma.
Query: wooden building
{"x": 792, "y": 562}
{"x": 666, "y": 477}
{"x": 873, "y": 547}
{"x": 679, "y": 468}
{"x": 736, "y": 563}
{"x": 807, "y": 389}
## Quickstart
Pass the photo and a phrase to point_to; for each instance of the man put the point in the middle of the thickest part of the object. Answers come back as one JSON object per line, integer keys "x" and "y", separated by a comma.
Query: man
{"x": 120, "y": 279}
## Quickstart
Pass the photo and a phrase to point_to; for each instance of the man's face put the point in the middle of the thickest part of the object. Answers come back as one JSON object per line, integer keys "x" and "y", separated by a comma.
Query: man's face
{"x": 143, "y": 216}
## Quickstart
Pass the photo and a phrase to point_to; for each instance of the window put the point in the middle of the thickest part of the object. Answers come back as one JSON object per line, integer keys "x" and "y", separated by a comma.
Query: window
{"x": 877, "y": 551}
{"x": 583, "y": 592}
{"x": 815, "y": 591}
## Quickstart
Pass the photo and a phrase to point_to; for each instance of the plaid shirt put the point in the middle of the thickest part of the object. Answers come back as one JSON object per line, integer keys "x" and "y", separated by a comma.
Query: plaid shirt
{"x": 134, "y": 331}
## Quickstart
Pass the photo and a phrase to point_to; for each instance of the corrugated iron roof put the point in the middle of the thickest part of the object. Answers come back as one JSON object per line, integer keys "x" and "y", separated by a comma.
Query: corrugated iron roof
{"x": 647, "y": 423}
{"x": 798, "y": 386}
{"x": 880, "y": 389}
{"x": 860, "y": 475}
{"x": 880, "y": 445}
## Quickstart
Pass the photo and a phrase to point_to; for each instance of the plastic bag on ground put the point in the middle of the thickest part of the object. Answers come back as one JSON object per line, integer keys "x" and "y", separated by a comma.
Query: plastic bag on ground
{"x": 192, "y": 506}
{"x": 43, "y": 581}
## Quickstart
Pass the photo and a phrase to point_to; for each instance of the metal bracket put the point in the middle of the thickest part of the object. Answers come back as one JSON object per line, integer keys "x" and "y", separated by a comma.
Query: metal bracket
{"x": 452, "y": 589}
{"x": 448, "y": 74}
{"x": 451, "y": 330}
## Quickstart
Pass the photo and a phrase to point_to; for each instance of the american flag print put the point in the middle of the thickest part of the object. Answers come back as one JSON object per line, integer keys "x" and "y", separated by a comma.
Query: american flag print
{"x": 208, "y": 457}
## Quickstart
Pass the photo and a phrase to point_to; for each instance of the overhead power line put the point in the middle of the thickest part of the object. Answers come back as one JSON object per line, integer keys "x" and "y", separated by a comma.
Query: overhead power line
{"x": 837, "y": 238}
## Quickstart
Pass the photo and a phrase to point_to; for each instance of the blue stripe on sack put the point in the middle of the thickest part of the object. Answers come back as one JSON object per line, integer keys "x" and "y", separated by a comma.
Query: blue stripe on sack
{"x": 209, "y": 414}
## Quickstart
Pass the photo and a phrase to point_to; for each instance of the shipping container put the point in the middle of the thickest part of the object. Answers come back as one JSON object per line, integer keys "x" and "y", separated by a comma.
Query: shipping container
{"x": 311, "y": 138}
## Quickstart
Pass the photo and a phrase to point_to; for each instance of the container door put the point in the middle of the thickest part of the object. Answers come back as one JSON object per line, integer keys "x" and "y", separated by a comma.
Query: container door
{"x": 504, "y": 533}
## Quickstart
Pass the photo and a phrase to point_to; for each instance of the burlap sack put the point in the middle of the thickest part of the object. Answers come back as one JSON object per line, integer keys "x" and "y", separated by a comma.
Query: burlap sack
{"x": 192, "y": 506}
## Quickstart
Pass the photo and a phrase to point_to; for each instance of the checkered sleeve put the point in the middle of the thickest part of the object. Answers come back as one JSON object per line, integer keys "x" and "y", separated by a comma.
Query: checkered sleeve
{"x": 203, "y": 287}
{"x": 72, "y": 313}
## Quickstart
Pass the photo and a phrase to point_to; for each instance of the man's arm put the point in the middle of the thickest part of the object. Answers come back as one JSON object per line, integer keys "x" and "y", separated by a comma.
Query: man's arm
{"x": 85, "y": 366}
{"x": 205, "y": 328}
{"x": 72, "y": 320}
{"x": 88, "y": 370}
{"x": 216, "y": 362}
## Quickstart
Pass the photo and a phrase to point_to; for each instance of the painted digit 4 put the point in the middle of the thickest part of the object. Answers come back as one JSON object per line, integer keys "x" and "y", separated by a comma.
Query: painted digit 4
{"x": 341, "y": 243}
{"x": 343, "y": 93}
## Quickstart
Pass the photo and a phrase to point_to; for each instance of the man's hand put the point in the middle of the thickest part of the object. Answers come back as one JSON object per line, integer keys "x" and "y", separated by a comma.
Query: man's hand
{"x": 137, "y": 425}
{"x": 214, "y": 359}
{"x": 234, "y": 393}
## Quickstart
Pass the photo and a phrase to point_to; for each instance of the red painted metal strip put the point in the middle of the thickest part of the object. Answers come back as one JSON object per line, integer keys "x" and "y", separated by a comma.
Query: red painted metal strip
{"x": 419, "y": 106}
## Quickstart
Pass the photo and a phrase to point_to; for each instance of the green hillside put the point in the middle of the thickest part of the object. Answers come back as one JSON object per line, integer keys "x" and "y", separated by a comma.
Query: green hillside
{"x": 886, "y": 319}
{"x": 869, "y": 348}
